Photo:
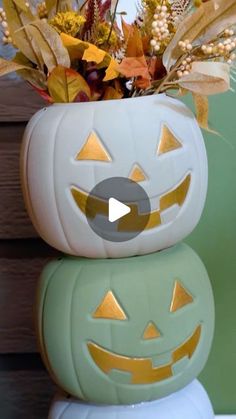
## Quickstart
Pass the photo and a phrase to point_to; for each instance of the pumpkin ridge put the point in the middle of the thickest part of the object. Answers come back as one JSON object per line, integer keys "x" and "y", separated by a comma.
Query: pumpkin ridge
{"x": 40, "y": 328}
{"x": 54, "y": 180}
{"x": 80, "y": 390}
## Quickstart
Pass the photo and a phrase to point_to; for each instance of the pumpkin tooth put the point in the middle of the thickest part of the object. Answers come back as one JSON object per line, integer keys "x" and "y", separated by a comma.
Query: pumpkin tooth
{"x": 143, "y": 370}
{"x": 163, "y": 359}
{"x": 180, "y": 365}
{"x": 134, "y": 219}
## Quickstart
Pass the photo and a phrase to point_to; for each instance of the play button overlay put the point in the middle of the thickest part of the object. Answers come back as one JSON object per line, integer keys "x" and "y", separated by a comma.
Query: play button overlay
{"x": 118, "y": 209}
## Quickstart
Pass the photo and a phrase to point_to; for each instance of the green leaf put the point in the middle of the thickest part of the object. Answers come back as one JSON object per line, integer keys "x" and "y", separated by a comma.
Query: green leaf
{"x": 50, "y": 45}
{"x": 65, "y": 84}
{"x": 16, "y": 19}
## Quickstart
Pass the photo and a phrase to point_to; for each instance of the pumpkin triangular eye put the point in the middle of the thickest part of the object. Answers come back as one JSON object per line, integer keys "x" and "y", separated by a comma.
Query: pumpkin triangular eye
{"x": 137, "y": 174}
{"x": 168, "y": 141}
{"x": 181, "y": 297}
{"x": 109, "y": 308}
{"x": 151, "y": 332}
{"x": 93, "y": 149}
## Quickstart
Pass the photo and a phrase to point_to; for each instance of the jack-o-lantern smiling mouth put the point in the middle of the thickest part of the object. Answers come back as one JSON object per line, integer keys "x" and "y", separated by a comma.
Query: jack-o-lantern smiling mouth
{"x": 132, "y": 221}
{"x": 141, "y": 369}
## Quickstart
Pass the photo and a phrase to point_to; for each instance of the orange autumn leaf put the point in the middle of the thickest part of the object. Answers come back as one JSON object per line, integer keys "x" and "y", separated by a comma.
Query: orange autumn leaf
{"x": 127, "y": 28}
{"x": 133, "y": 40}
{"x": 136, "y": 67}
{"x": 146, "y": 44}
{"x": 156, "y": 68}
{"x": 142, "y": 83}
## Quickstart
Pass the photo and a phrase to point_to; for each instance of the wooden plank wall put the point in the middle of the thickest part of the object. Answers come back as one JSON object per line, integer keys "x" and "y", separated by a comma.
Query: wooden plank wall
{"x": 25, "y": 387}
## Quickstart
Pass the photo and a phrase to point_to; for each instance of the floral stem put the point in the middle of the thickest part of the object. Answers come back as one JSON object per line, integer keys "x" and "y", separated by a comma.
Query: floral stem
{"x": 83, "y": 5}
{"x": 113, "y": 21}
{"x": 169, "y": 76}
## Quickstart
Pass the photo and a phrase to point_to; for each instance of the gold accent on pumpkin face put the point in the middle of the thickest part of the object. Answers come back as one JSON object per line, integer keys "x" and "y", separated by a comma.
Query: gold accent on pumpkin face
{"x": 141, "y": 369}
{"x": 132, "y": 221}
{"x": 181, "y": 297}
{"x": 151, "y": 332}
{"x": 109, "y": 309}
{"x": 168, "y": 141}
{"x": 137, "y": 174}
{"x": 93, "y": 149}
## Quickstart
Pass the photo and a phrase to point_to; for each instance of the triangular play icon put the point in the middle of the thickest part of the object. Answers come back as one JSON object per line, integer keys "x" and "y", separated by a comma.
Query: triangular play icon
{"x": 117, "y": 210}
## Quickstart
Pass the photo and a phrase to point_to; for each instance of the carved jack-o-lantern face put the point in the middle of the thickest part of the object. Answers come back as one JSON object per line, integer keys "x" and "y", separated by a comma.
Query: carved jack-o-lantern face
{"x": 69, "y": 149}
{"x": 127, "y": 330}
{"x": 142, "y": 370}
{"x": 172, "y": 200}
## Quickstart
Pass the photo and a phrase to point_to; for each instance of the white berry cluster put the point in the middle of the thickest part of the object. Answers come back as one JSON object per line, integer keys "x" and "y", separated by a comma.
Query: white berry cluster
{"x": 42, "y": 10}
{"x": 6, "y": 39}
{"x": 160, "y": 27}
{"x": 225, "y": 48}
{"x": 185, "y": 45}
{"x": 185, "y": 67}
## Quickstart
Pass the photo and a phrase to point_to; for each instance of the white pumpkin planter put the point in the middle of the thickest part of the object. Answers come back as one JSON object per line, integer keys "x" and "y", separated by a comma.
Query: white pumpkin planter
{"x": 192, "y": 402}
{"x": 157, "y": 134}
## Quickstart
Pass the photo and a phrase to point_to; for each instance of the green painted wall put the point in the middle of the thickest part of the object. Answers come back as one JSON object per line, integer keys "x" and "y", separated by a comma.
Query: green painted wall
{"x": 215, "y": 241}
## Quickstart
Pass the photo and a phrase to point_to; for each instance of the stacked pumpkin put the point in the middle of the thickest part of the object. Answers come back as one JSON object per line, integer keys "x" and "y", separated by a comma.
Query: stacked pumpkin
{"x": 131, "y": 322}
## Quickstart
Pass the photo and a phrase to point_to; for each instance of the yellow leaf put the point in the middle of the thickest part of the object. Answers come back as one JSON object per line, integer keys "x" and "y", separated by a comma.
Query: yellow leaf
{"x": 111, "y": 93}
{"x": 207, "y": 78}
{"x": 202, "y": 112}
{"x": 65, "y": 85}
{"x": 92, "y": 53}
{"x": 82, "y": 50}
{"x": 209, "y": 20}
{"x": 74, "y": 46}
{"x": 111, "y": 71}
{"x": 50, "y": 45}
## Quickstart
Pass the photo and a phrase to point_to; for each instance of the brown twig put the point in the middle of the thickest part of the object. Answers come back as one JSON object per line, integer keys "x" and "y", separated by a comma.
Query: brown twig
{"x": 113, "y": 21}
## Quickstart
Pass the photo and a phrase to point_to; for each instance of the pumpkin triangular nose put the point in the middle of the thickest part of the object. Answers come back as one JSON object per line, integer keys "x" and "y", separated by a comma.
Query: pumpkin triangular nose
{"x": 137, "y": 174}
{"x": 151, "y": 332}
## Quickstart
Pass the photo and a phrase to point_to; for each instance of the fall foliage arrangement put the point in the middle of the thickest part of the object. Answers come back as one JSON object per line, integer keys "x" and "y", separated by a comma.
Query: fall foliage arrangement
{"x": 85, "y": 51}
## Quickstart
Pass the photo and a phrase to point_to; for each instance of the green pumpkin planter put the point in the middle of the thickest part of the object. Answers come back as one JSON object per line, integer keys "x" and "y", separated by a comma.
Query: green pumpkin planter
{"x": 127, "y": 330}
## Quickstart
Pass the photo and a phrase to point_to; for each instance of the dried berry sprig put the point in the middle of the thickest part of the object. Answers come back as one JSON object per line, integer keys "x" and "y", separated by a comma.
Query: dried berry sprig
{"x": 6, "y": 39}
